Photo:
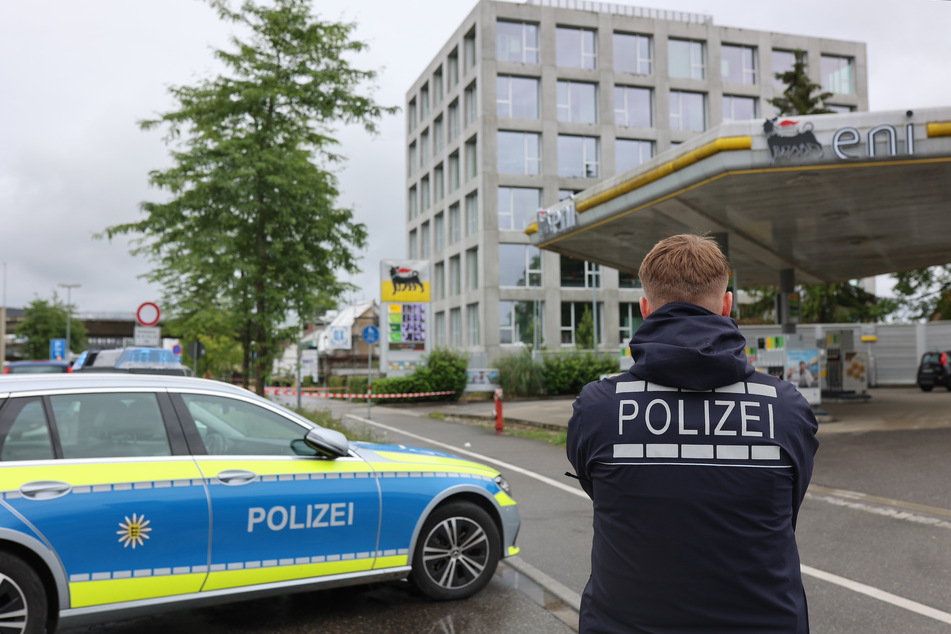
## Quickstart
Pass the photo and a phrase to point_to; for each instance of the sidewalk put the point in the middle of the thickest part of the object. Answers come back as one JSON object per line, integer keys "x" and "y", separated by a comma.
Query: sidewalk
{"x": 888, "y": 409}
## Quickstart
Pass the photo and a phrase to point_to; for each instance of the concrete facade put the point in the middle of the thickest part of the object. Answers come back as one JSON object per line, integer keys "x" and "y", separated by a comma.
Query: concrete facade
{"x": 455, "y": 221}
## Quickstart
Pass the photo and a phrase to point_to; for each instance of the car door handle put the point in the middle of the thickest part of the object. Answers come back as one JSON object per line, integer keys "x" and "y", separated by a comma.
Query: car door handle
{"x": 45, "y": 489}
{"x": 236, "y": 477}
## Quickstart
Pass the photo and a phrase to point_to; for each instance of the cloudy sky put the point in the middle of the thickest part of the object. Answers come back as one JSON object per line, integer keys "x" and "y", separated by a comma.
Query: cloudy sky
{"x": 77, "y": 76}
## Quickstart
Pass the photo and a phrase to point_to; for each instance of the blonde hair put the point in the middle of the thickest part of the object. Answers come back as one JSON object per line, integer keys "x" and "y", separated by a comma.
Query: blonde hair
{"x": 685, "y": 268}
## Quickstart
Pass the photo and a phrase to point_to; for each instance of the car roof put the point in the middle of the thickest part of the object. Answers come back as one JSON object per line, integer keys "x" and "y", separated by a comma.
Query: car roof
{"x": 16, "y": 383}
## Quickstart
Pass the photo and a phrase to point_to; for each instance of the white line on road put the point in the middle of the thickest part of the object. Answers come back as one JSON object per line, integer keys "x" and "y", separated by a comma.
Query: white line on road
{"x": 855, "y": 586}
{"x": 881, "y": 595}
{"x": 480, "y": 457}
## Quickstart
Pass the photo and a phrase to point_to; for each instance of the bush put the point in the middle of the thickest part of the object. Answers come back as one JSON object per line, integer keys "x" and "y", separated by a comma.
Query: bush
{"x": 444, "y": 371}
{"x": 568, "y": 373}
{"x": 519, "y": 375}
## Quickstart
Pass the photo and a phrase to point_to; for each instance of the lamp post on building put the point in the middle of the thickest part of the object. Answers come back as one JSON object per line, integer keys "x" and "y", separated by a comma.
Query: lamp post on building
{"x": 69, "y": 312}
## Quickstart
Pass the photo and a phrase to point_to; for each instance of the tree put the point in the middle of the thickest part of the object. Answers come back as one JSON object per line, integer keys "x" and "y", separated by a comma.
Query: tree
{"x": 924, "y": 293}
{"x": 584, "y": 331}
{"x": 798, "y": 97}
{"x": 253, "y": 227}
{"x": 45, "y": 320}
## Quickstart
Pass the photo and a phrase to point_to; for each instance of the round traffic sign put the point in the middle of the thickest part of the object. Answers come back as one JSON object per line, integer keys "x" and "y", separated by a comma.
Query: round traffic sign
{"x": 371, "y": 334}
{"x": 148, "y": 314}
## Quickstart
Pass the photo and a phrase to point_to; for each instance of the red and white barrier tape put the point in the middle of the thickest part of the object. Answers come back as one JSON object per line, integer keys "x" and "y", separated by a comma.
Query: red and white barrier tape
{"x": 278, "y": 391}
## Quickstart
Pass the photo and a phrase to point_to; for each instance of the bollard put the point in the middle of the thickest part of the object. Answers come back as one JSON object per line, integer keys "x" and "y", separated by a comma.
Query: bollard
{"x": 499, "y": 425}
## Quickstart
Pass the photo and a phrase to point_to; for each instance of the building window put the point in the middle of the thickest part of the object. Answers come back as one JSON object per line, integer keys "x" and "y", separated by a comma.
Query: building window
{"x": 516, "y": 42}
{"x": 520, "y": 265}
{"x": 519, "y": 153}
{"x": 424, "y": 101}
{"x": 455, "y": 230}
{"x": 472, "y": 214}
{"x": 455, "y": 327}
{"x": 687, "y": 111}
{"x": 838, "y": 74}
{"x": 424, "y": 193}
{"x": 471, "y": 103}
{"x": 572, "y": 314}
{"x": 517, "y": 207}
{"x": 411, "y": 115}
{"x": 738, "y": 64}
{"x": 632, "y": 54}
{"x": 452, "y": 68}
{"x": 411, "y": 159}
{"x": 437, "y": 135}
{"x": 629, "y": 153}
{"x": 517, "y": 97}
{"x": 575, "y": 48}
{"x": 455, "y": 275}
{"x": 783, "y": 62}
{"x": 454, "y": 178}
{"x": 628, "y": 280}
{"x": 440, "y": 327}
{"x": 413, "y": 203}
{"x": 439, "y": 232}
{"x": 632, "y": 107}
{"x": 522, "y": 322}
{"x": 577, "y": 156}
{"x": 686, "y": 59}
{"x": 472, "y": 269}
{"x": 839, "y": 109}
{"x": 439, "y": 280}
{"x": 472, "y": 319}
{"x": 738, "y": 108}
{"x": 437, "y": 86}
{"x": 439, "y": 183}
{"x": 424, "y": 148}
{"x": 453, "y": 116}
{"x": 579, "y": 273}
{"x": 630, "y": 321}
{"x": 424, "y": 243}
{"x": 577, "y": 102}
{"x": 472, "y": 159}
{"x": 413, "y": 251}
{"x": 469, "y": 49}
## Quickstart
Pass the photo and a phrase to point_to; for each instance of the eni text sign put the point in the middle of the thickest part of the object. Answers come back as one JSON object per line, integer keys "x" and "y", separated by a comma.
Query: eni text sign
{"x": 404, "y": 281}
{"x": 405, "y": 297}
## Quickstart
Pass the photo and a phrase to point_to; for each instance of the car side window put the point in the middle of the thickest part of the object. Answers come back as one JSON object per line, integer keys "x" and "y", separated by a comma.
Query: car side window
{"x": 231, "y": 427}
{"x": 110, "y": 425}
{"x": 25, "y": 431}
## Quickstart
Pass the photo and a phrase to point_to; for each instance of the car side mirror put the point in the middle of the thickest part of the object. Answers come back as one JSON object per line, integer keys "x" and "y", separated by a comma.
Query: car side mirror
{"x": 326, "y": 442}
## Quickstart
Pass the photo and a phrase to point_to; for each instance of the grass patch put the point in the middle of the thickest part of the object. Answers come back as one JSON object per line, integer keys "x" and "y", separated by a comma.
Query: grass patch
{"x": 551, "y": 436}
{"x": 436, "y": 414}
{"x": 352, "y": 430}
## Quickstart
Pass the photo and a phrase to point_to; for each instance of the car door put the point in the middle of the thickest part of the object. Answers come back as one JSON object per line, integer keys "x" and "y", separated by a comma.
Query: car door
{"x": 277, "y": 515}
{"x": 95, "y": 474}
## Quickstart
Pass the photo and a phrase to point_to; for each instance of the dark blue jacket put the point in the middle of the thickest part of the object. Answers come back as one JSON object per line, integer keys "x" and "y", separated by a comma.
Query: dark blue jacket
{"x": 697, "y": 466}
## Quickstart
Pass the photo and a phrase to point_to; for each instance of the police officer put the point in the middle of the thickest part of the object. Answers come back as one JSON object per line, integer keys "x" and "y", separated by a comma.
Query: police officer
{"x": 696, "y": 465}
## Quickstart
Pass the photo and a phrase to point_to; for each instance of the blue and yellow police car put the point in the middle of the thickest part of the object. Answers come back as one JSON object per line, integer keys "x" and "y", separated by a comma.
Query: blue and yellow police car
{"x": 123, "y": 494}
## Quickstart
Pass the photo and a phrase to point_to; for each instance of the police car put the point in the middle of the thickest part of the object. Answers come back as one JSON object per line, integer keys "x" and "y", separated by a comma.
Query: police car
{"x": 124, "y": 494}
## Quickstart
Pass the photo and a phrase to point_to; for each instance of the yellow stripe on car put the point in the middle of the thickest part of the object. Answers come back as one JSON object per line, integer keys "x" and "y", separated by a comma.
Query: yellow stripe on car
{"x": 253, "y": 576}
{"x": 88, "y": 593}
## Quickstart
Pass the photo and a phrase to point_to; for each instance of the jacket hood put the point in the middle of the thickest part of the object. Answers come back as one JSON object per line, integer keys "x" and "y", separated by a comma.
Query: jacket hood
{"x": 687, "y": 346}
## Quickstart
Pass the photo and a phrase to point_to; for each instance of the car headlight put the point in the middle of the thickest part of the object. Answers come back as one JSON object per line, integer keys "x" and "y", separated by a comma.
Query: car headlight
{"x": 503, "y": 484}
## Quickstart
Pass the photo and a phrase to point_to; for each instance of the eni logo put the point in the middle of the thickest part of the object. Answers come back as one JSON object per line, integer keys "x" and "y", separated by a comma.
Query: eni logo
{"x": 134, "y": 531}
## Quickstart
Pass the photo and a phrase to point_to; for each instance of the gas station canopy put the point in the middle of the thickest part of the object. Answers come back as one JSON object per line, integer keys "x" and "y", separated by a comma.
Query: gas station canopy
{"x": 832, "y": 197}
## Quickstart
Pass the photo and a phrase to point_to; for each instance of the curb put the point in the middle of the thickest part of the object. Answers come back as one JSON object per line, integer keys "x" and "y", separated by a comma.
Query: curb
{"x": 562, "y": 592}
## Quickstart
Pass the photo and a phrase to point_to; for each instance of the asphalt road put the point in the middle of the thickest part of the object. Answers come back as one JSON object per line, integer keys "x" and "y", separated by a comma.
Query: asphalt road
{"x": 874, "y": 534}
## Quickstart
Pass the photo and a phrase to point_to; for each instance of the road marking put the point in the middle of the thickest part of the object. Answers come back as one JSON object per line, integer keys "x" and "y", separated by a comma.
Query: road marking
{"x": 873, "y": 499}
{"x": 457, "y": 450}
{"x": 855, "y": 586}
{"x": 875, "y": 593}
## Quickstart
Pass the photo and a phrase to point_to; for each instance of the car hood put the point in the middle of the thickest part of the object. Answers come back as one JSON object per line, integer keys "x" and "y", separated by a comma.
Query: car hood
{"x": 403, "y": 457}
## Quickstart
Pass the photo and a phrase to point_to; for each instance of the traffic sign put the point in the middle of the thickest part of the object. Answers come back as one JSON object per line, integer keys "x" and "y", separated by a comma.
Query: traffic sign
{"x": 148, "y": 314}
{"x": 371, "y": 334}
{"x": 58, "y": 350}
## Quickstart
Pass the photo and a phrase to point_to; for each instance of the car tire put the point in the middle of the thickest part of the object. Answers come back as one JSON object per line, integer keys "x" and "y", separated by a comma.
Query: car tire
{"x": 926, "y": 388}
{"x": 23, "y": 606}
{"x": 457, "y": 552}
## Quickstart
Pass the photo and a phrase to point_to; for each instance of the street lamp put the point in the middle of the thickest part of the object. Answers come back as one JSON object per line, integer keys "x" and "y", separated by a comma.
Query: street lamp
{"x": 69, "y": 312}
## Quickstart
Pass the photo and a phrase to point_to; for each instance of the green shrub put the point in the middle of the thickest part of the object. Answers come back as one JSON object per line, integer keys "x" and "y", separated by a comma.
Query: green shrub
{"x": 520, "y": 375}
{"x": 568, "y": 373}
{"x": 336, "y": 381}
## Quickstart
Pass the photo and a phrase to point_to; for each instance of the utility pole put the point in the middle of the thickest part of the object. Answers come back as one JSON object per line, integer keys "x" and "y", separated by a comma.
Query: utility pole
{"x": 69, "y": 313}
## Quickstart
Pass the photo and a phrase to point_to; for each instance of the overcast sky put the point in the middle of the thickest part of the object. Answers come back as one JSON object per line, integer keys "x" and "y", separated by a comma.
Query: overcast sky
{"x": 77, "y": 76}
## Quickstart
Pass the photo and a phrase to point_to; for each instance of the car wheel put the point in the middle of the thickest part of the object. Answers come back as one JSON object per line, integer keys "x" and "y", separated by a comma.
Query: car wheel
{"x": 925, "y": 388}
{"x": 457, "y": 553}
{"x": 22, "y": 598}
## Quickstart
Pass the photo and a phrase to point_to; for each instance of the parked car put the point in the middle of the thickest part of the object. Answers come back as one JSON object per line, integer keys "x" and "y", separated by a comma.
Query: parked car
{"x": 125, "y": 494}
{"x": 933, "y": 371}
{"x": 37, "y": 367}
{"x": 139, "y": 360}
